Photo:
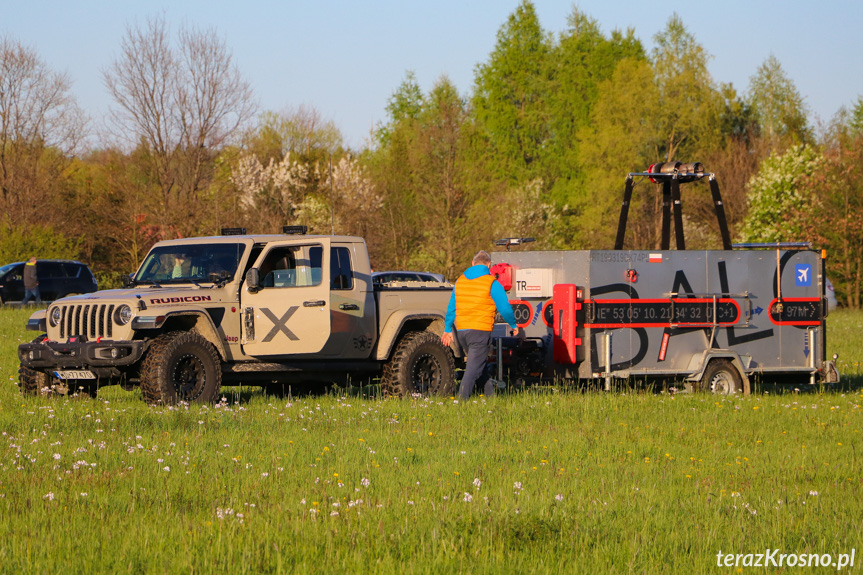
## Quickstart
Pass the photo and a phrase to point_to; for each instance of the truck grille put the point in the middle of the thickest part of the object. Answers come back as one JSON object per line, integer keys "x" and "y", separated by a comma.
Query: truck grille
{"x": 90, "y": 320}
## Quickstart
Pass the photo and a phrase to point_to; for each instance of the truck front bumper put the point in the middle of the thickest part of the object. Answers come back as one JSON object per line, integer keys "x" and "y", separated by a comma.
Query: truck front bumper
{"x": 81, "y": 355}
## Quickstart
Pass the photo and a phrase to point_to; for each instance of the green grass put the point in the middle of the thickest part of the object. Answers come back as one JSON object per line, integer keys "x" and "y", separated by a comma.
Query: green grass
{"x": 567, "y": 481}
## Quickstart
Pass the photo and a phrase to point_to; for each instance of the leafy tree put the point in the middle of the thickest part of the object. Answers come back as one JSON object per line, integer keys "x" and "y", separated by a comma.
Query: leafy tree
{"x": 274, "y": 194}
{"x": 778, "y": 106}
{"x": 580, "y": 61}
{"x": 834, "y": 213}
{"x": 18, "y": 243}
{"x": 690, "y": 105}
{"x": 405, "y": 103}
{"x": 511, "y": 94}
{"x": 302, "y": 132}
{"x": 439, "y": 180}
{"x": 663, "y": 110}
{"x": 624, "y": 136}
{"x": 855, "y": 122}
{"x": 777, "y": 196}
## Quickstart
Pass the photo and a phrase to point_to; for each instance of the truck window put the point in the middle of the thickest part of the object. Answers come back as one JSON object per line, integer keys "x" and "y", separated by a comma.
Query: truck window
{"x": 292, "y": 266}
{"x": 341, "y": 274}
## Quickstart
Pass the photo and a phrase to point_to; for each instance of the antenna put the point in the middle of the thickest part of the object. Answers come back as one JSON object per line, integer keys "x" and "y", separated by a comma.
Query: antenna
{"x": 332, "y": 200}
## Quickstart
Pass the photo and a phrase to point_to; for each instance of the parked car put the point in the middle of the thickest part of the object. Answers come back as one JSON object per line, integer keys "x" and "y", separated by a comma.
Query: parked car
{"x": 405, "y": 276}
{"x": 57, "y": 278}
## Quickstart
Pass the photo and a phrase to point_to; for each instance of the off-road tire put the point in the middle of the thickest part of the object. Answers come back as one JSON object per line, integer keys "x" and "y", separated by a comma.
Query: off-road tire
{"x": 35, "y": 382}
{"x": 722, "y": 378}
{"x": 181, "y": 366}
{"x": 419, "y": 364}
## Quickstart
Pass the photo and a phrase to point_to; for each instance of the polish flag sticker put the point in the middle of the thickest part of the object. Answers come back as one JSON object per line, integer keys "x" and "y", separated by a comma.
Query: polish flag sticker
{"x": 655, "y": 258}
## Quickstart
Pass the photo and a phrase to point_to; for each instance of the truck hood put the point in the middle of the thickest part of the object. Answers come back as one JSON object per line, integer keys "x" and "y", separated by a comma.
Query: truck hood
{"x": 156, "y": 295}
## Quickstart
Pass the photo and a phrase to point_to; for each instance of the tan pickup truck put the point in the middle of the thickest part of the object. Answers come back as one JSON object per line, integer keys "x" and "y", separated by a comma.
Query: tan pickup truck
{"x": 279, "y": 311}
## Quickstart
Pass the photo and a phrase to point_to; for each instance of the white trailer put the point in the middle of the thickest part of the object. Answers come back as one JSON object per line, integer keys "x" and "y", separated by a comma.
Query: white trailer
{"x": 713, "y": 318}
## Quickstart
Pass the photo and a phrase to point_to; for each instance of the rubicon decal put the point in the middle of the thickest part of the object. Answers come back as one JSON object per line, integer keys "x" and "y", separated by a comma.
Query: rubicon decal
{"x": 186, "y": 299}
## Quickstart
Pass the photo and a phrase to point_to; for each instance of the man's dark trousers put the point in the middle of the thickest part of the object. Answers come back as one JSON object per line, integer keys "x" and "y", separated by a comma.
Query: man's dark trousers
{"x": 476, "y": 345}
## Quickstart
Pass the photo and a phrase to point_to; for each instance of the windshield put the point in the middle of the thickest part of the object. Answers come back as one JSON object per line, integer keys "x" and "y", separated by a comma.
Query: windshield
{"x": 191, "y": 263}
{"x": 6, "y": 269}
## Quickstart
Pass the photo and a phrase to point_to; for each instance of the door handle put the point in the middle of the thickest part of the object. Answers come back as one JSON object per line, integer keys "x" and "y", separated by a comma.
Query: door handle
{"x": 349, "y": 306}
{"x": 314, "y": 303}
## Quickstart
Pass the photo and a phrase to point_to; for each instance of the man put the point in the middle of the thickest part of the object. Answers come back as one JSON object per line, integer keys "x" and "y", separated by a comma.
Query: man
{"x": 472, "y": 305}
{"x": 31, "y": 283}
{"x": 179, "y": 266}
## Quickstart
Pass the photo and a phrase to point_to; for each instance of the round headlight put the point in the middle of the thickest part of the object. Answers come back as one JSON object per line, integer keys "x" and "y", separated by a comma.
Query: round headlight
{"x": 123, "y": 315}
{"x": 55, "y": 316}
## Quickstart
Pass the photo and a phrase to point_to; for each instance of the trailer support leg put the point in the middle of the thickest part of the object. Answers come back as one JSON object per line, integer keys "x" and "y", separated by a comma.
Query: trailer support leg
{"x": 812, "y": 334}
{"x": 607, "y": 337}
{"x": 500, "y": 359}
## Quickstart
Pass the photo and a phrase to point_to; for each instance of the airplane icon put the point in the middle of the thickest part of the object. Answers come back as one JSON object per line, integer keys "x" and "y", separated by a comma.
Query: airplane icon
{"x": 803, "y": 275}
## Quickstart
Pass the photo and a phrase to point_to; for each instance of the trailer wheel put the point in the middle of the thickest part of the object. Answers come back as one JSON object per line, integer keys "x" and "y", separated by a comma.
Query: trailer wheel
{"x": 181, "y": 366}
{"x": 419, "y": 364}
{"x": 722, "y": 378}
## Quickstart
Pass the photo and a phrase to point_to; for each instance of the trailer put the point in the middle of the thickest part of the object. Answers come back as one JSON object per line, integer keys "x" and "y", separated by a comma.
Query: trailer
{"x": 712, "y": 318}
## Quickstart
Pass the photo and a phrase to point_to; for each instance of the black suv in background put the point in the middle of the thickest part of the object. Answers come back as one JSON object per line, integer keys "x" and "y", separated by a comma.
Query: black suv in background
{"x": 57, "y": 278}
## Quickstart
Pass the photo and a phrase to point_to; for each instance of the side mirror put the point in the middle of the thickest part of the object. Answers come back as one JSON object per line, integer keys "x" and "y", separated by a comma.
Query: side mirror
{"x": 253, "y": 280}
{"x": 128, "y": 281}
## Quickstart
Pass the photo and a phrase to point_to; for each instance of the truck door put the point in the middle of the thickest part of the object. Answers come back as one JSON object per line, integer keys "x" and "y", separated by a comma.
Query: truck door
{"x": 352, "y": 301}
{"x": 290, "y": 313}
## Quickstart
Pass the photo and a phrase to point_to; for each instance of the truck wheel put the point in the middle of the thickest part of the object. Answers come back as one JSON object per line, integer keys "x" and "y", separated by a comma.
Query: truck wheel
{"x": 181, "y": 366}
{"x": 35, "y": 382}
{"x": 722, "y": 378}
{"x": 419, "y": 364}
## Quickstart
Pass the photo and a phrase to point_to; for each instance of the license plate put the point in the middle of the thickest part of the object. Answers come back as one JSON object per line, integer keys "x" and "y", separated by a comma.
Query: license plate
{"x": 75, "y": 374}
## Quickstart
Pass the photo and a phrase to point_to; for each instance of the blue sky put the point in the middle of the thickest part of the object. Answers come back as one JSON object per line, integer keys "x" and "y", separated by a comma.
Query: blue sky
{"x": 345, "y": 58}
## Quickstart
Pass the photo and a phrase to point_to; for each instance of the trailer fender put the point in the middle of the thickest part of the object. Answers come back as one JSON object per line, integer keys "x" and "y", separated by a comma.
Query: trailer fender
{"x": 401, "y": 321}
{"x": 733, "y": 357}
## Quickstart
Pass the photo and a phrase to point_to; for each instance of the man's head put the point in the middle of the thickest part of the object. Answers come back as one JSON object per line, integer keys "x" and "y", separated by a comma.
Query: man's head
{"x": 33, "y": 260}
{"x": 482, "y": 258}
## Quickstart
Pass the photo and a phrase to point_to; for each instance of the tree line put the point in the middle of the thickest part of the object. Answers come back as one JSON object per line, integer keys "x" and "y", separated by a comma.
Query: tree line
{"x": 538, "y": 147}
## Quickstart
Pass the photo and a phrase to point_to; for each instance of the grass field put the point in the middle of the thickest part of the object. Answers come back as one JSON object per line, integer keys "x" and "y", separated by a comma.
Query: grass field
{"x": 548, "y": 481}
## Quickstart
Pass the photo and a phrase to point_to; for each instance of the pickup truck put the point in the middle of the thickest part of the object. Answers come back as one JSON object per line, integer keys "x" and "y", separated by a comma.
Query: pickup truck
{"x": 270, "y": 310}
